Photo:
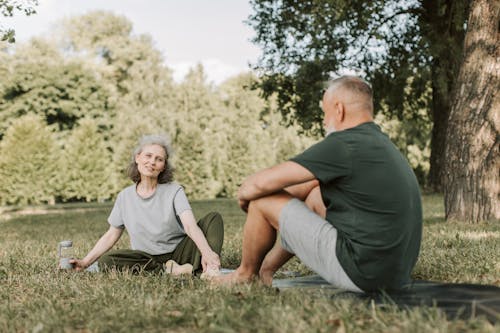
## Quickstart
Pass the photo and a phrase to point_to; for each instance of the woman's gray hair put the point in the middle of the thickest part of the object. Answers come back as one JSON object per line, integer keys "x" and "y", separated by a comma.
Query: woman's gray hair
{"x": 166, "y": 175}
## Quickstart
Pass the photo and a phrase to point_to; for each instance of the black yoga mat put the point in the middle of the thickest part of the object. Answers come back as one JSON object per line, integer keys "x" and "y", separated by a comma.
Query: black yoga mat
{"x": 457, "y": 300}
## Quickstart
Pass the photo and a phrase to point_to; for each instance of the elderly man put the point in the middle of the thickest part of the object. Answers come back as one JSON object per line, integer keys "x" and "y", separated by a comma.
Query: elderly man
{"x": 348, "y": 207}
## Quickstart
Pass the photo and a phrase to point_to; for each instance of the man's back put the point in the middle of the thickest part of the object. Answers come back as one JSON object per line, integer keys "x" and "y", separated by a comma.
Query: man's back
{"x": 373, "y": 200}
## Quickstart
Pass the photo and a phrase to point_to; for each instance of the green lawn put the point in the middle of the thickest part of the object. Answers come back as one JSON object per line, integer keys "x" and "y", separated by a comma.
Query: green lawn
{"x": 35, "y": 297}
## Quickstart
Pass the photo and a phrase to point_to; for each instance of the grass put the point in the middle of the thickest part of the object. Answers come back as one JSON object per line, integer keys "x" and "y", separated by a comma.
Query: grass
{"x": 35, "y": 297}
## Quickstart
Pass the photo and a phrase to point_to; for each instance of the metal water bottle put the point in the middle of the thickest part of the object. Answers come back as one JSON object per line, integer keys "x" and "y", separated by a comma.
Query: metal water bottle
{"x": 65, "y": 252}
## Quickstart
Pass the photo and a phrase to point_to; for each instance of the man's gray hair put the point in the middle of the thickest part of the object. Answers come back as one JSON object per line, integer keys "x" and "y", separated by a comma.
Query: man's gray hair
{"x": 153, "y": 139}
{"x": 355, "y": 85}
{"x": 352, "y": 83}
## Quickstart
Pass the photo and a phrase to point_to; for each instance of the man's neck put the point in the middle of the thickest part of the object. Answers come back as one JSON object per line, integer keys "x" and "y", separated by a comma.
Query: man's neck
{"x": 354, "y": 122}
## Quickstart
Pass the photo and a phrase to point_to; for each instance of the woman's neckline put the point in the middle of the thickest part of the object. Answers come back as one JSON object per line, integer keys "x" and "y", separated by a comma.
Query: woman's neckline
{"x": 148, "y": 195}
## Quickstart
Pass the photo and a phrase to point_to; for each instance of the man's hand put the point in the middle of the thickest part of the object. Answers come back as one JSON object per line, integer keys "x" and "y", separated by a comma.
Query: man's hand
{"x": 244, "y": 204}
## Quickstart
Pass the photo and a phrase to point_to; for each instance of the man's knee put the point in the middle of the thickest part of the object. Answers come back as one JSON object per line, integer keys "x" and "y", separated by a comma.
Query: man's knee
{"x": 314, "y": 202}
{"x": 264, "y": 204}
{"x": 270, "y": 206}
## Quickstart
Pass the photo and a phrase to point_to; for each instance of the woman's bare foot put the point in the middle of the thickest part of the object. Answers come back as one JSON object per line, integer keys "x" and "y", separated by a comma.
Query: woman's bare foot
{"x": 173, "y": 268}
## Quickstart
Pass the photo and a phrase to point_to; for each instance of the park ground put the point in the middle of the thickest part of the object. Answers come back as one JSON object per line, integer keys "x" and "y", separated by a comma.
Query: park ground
{"x": 36, "y": 297}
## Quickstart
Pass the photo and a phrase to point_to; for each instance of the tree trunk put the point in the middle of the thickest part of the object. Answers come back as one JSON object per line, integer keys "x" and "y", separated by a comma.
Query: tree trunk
{"x": 441, "y": 105}
{"x": 472, "y": 179}
{"x": 442, "y": 25}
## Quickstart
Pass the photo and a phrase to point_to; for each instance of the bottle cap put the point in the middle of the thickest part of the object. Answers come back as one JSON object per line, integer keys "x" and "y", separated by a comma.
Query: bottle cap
{"x": 66, "y": 243}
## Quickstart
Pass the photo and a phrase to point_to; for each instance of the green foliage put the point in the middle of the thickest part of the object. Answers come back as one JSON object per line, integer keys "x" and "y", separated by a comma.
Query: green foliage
{"x": 305, "y": 42}
{"x": 202, "y": 130}
{"x": 40, "y": 81}
{"x": 86, "y": 164}
{"x": 402, "y": 48}
{"x": 141, "y": 87}
{"x": 106, "y": 88}
{"x": 8, "y": 8}
{"x": 28, "y": 163}
{"x": 222, "y": 136}
{"x": 132, "y": 63}
{"x": 254, "y": 132}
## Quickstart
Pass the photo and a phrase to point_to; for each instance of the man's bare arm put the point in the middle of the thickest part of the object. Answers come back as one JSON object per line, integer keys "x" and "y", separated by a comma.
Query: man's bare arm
{"x": 274, "y": 179}
{"x": 301, "y": 191}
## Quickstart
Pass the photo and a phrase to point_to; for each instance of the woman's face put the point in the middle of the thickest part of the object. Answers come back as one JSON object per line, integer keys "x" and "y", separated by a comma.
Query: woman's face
{"x": 151, "y": 161}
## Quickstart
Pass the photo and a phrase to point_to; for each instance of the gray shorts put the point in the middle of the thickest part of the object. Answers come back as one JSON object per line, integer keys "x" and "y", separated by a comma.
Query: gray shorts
{"x": 312, "y": 239}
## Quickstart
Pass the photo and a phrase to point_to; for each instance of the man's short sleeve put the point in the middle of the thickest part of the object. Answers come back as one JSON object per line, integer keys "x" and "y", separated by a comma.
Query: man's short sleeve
{"x": 115, "y": 218}
{"x": 181, "y": 202}
{"x": 326, "y": 160}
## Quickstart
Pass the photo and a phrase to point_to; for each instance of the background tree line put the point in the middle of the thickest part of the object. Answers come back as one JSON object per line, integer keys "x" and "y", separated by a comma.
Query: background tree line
{"x": 73, "y": 106}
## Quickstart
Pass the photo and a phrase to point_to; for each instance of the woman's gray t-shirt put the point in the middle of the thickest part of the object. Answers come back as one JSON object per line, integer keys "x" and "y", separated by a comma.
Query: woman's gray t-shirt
{"x": 151, "y": 222}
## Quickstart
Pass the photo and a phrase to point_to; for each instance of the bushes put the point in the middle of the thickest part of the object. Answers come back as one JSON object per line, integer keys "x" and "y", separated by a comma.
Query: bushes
{"x": 28, "y": 163}
{"x": 219, "y": 137}
{"x": 34, "y": 169}
{"x": 86, "y": 165}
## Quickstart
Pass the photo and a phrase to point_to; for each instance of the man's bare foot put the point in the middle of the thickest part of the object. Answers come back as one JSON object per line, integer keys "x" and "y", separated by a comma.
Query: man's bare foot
{"x": 173, "y": 268}
{"x": 266, "y": 277}
{"x": 236, "y": 277}
{"x": 210, "y": 273}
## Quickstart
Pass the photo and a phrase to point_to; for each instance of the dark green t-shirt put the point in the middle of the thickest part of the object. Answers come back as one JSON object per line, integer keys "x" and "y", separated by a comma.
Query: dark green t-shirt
{"x": 372, "y": 198}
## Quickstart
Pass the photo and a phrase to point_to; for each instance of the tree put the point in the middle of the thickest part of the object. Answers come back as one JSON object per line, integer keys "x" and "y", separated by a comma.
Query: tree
{"x": 39, "y": 80}
{"x": 398, "y": 45}
{"x": 198, "y": 150}
{"x": 8, "y": 8}
{"x": 86, "y": 162}
{"x": 251, "y": 133}
{"x": 132, "y": 70}
{"x": 28, "y": 163}
{"x": 472, "y": 182}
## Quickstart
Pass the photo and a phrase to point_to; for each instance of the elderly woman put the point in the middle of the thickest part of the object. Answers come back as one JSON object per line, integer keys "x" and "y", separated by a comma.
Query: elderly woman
{"x": 163, "y": 232}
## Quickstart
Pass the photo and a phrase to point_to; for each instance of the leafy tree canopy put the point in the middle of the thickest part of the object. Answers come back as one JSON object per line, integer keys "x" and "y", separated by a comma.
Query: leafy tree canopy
{"x": 8, "y": 8}
{"x": 402, "y": 48}
{"x": 39, "y": 80}
{"x": 307, "y": 42}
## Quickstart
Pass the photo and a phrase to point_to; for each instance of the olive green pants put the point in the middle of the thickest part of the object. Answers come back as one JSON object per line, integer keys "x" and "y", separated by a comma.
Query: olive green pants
{"x": 186, "y": 252}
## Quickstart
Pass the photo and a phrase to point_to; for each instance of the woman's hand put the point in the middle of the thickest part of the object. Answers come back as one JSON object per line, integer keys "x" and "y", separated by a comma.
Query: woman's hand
{"x": 78, "y": 265}
{"x": 103, "y": 244}
{"x": 210, "y": 261}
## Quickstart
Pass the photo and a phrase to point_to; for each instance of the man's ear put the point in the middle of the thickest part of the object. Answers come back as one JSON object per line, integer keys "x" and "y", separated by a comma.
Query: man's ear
{"x": 340, "y": 112}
